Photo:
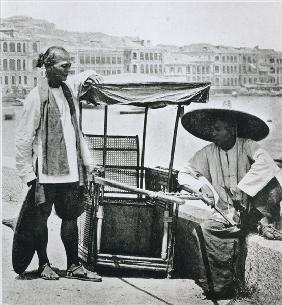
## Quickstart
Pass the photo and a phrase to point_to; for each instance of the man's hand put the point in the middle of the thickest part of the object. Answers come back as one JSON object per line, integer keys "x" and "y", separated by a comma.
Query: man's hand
{"x": 31, "y": 183}
{"x": 96, "y": 170}
{"x": 236, "y": 193}
{"x": 207, "y": 192}
{"x": 93, "y": 79}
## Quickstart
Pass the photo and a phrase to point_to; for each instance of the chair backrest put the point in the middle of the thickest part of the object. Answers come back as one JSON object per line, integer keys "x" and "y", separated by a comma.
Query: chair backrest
{"x": 122, "y": 158}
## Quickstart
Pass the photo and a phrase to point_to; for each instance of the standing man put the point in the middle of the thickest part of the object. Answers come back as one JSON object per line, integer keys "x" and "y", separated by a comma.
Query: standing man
{"x": 236, "y": 171}
{"x": 52, "y": 157}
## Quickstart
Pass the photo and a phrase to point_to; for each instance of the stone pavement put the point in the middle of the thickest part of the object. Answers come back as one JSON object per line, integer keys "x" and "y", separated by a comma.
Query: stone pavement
{"x": 131, "y": 289}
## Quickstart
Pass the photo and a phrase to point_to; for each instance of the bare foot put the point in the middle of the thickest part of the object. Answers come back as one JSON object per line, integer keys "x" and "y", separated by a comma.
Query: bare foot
{"x": 48, "y": 273}
{"x": 79, "y": 272}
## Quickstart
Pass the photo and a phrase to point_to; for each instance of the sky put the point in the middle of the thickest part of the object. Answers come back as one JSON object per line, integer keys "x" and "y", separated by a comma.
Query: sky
{"x": 232, "y": 23}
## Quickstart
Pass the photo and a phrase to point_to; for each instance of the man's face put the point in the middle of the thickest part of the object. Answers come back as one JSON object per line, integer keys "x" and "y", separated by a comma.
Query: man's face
{"x": 223, "y": 134}
{"x": 59, "y": 71}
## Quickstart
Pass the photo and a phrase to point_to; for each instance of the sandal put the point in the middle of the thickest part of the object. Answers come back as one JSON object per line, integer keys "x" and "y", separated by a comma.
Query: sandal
{"x": 269, "y": 232}
{"x": 54, "y": 276}
{"x": 85, "y": 275}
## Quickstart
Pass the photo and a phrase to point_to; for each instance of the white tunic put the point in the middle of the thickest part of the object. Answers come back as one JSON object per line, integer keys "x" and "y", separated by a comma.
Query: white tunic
{"x": 28, "y": 135}
{"x": 246, "y": 165}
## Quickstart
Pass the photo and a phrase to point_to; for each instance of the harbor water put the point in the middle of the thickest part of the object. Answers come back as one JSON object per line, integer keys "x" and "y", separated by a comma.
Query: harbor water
{"x": 160, "y": 127}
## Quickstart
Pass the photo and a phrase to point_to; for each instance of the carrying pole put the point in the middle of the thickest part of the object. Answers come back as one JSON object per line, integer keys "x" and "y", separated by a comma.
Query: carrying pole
{"x": 143, "y": 147}
{"x": 105, "y": 136}
{"x": 169, "y": 180}
{"x": 100, "y": 212}
{"x": 207, "y": 201}
{"x": 154, "y": 195}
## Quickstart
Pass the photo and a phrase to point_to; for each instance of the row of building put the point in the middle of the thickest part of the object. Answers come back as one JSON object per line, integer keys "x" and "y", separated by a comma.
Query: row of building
{"x": 227, "y": 68}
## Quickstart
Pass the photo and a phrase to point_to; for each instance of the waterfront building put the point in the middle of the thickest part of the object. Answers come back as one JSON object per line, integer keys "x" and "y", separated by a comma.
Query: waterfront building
{"x": 143, "y": 58}
{"x": 233, "y": 68}
{"x": 270, "y": 67}
{"x": 18, "y": 63}
{"x": 105, "y": 61}
{"x": 192, "y": 68}
{"x": 139, "y": 57}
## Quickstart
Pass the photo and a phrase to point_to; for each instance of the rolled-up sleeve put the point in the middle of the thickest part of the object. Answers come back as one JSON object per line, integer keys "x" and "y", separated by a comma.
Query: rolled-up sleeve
{"x": 197, "y": 166}
{"x": 25, "y": 134}
{"x": 76, "y": 81}
{"x": 261, "y": 172}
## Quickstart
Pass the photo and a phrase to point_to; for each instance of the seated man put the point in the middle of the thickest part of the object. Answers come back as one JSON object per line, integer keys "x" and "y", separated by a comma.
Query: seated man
{"x": 235, "y": 170}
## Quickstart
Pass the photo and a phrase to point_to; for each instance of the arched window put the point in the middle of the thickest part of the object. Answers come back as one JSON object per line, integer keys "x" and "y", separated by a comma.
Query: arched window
{"x": 12, "y": 47}
{"x": 5, "y": 47}
{"x": 18, "y": 64}
{"x": 24, "y": 64}
{"x": 19, "y": 47}
{"x": 160, "y": 69}
{"x": 134, "y": 68}
{"x": 142, "y": 68}
{"x": 34, "y": 63}
{"x": 12, "y": 65}
{"x": 24, "y": 47}
{"x": 35, "y": 81}
{"x": 13, "y": 80}
{"x": 34, "y": 47}
{"x": 151, "y": 68}
{"x": 5, "y": 64}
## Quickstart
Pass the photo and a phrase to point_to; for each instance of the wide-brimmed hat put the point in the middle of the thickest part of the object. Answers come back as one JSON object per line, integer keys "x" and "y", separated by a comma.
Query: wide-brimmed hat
{"x": 199, "y": 123}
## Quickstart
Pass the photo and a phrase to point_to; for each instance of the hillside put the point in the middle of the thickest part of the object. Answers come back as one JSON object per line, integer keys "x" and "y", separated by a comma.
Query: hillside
{"x": 48, "y": 34}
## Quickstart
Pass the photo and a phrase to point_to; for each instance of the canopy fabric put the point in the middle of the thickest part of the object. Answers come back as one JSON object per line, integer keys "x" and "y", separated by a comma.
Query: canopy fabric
{"x": 153, "y": 94}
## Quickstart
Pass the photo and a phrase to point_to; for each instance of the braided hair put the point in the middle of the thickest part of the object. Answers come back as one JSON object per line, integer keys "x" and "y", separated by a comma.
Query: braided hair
{"x": 48, "y": 58}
